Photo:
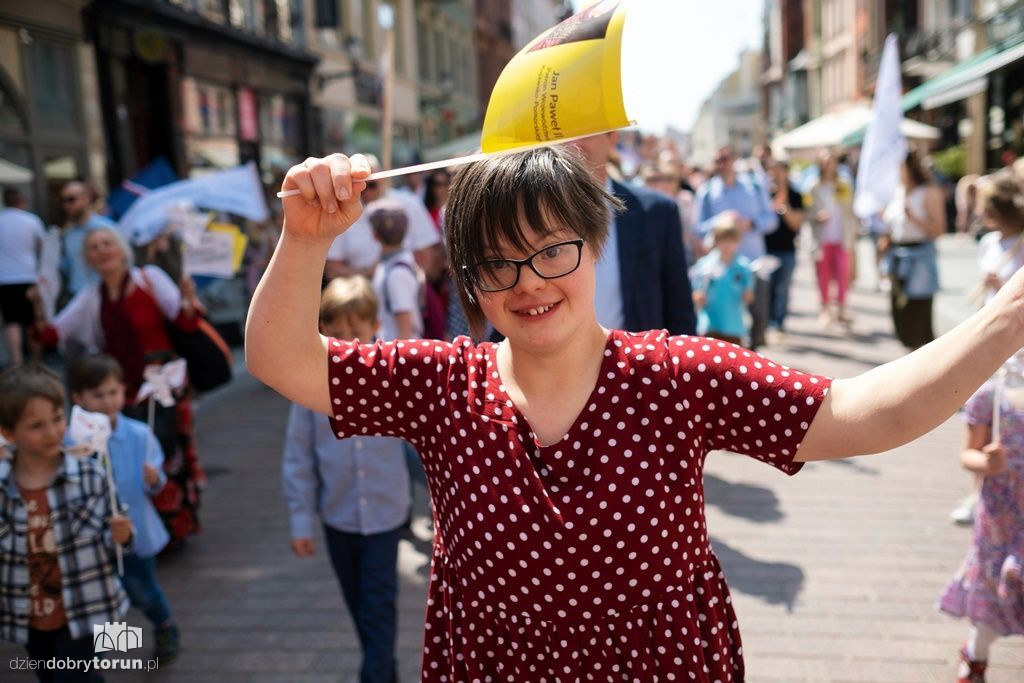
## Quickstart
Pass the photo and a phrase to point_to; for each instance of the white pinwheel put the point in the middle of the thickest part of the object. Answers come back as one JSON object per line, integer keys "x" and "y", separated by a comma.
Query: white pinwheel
{"x": 90, "y": 433}
{"x": 160, "y": 382}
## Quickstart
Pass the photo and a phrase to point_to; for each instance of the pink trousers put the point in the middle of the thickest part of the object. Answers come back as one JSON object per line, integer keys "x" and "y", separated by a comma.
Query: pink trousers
{"x": 834, "y": 265}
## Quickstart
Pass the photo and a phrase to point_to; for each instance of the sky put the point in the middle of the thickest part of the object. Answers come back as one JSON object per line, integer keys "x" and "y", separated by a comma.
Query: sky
{"x": 681, "y": 50}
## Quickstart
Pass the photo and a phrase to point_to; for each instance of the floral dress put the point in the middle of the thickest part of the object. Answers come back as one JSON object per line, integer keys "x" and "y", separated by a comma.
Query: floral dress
{"x": 987, "y": 589}
{"x": 586, "y": 559}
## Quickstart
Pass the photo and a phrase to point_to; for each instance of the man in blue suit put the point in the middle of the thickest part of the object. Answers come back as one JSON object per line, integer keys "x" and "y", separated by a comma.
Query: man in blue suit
{"x": 642, "y": 283}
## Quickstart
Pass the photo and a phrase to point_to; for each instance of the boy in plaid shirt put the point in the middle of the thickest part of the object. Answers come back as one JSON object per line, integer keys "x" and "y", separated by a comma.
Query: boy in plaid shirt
{"x": 57, "y": 530}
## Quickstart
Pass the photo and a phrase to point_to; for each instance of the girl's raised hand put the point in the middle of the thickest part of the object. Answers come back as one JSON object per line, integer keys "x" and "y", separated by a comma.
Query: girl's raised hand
{"x": 329, "y": 200}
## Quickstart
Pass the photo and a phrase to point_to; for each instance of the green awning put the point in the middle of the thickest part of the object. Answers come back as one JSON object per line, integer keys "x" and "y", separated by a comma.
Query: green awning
{"x": 965, "y": 79}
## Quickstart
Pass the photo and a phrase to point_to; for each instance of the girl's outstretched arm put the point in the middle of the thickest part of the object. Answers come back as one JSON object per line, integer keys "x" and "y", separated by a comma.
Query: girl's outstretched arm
{"x": 895, "y": 403}
{"x": 283, "y": 348}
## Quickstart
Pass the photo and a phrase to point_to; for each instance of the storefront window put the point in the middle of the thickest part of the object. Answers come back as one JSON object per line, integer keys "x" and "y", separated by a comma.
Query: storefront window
{"x": 51, "y": 68}
{"x": 210, "y": 126}
{"x": 212, "y": 9}
{"x": 11, "y": 120}
{"x": 280, "y": 132}
{"x": 423, "y": 48}
{"x": 236, "y": 13}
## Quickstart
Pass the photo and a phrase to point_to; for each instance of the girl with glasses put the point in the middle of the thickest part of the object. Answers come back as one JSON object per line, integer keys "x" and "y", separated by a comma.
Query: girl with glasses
{"x": 565, "y": 463}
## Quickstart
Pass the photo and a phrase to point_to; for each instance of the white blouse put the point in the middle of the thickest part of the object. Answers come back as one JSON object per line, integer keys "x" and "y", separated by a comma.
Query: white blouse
{"x": 80, "y": 319}
{"x": 901, "y": 228}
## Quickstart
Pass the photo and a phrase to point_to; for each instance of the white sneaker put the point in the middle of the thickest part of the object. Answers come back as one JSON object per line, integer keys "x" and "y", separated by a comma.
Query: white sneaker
{"x": 775, "y": 337}
{"x": 963, "y": 513}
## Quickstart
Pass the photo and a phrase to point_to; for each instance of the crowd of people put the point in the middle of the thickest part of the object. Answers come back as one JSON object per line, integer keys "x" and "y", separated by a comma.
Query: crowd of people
{"x": 534, "y": 302}
{"x": 75, "y": 289}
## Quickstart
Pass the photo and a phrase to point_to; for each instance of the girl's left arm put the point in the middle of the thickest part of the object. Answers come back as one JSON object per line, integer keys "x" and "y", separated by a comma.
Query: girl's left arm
{"x": 895, "y": 403}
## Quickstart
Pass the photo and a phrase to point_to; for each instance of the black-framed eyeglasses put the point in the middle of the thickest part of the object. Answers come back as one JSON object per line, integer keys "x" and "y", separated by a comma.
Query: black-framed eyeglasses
{"x": 553, "y": 261}
{"x": 69, "y": 199}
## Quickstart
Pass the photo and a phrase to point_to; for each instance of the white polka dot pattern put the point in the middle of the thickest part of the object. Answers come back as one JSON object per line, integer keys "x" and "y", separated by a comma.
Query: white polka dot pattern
{"x": 585, "y": 560}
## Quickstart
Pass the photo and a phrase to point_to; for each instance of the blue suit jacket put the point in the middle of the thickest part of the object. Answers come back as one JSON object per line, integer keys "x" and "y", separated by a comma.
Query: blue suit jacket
{"x": 652, "y": 263}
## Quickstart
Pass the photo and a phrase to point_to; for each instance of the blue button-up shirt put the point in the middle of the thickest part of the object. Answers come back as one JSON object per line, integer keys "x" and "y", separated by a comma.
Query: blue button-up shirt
{"x": 747, "y": 198}
{"x": 358, "y": 485}
{"x": 132, "y": 445}
{"x": 77, "y": 272}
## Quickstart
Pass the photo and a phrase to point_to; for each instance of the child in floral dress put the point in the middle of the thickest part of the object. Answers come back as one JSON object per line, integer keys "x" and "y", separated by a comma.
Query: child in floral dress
{"x": 987, "y": 590}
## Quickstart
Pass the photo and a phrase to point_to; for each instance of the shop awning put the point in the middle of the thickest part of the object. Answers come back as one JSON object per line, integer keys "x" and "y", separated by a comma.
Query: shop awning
{"x": 963, "y": 80}
{"x": 843, "y": 128}
{"x": 13, "y": 174}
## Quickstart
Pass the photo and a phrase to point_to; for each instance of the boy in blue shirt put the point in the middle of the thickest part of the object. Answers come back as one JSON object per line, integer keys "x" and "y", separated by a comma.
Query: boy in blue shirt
{"x": 97, "y": 384}
{"x": 723, "y": 285}
{"x": 358, "y": 488}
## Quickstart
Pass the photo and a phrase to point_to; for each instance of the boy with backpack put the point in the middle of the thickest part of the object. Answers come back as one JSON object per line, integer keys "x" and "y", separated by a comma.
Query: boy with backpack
{"x": 397, "y": 280}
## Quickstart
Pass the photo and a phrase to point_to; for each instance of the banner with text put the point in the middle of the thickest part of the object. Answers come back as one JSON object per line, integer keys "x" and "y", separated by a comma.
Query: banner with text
{"x": 565, "y": 84}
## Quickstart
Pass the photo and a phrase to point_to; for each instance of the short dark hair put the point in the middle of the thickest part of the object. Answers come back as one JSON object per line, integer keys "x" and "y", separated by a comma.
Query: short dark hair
{"x": 21, "y": 384}
{"x": 13, "y": 197}
{"x": 389, "y": 221}
{"x": 438, "y": 178}
{"x": 90, "y": 189}
{"x": 490, "y": 200}
{"x": 919, "y": 175}
{"x": 89, "y": 372}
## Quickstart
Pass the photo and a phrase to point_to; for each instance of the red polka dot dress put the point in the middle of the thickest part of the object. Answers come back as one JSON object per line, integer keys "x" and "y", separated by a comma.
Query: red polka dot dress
{"x": 585, "y": 560}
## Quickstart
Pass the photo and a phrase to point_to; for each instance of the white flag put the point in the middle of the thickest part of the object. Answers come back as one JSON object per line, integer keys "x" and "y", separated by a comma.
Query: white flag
{"x": 236, "y": 190}
{"x": 885, "y": 148}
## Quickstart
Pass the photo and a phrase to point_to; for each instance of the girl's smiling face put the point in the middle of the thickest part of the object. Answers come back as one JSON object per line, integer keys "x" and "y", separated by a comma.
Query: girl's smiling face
{"x": 541, "y": 313}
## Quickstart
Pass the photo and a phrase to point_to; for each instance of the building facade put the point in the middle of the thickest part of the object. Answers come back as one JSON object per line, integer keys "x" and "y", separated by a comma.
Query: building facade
{"x": 50, "y": 123}
{"x": 357, "y": 56}
{"x": 962, "y": 63}
{"x": 495, "y": 44}
{"x": 447, "y": 70}
{"x": 733, "y": 113}
{"x": 503, "y": 28}
{"x": 206, "y": 84}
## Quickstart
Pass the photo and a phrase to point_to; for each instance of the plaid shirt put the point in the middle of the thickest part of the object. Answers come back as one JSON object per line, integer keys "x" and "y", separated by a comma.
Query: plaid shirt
{"x": 80, "y": 512}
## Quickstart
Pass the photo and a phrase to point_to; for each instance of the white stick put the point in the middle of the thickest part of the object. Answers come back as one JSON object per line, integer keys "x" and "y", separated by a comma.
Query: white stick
{"x": 380, "y": 175}
{"x": 150, "y": 420}
{"x": 458, "y": 161}
{"x": 112, "y": 491}
{"x": 997, "y": 397}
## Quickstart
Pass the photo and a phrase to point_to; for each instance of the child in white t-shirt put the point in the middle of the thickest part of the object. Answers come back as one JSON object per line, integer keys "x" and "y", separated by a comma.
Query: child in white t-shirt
{"x": 397, "y": 279}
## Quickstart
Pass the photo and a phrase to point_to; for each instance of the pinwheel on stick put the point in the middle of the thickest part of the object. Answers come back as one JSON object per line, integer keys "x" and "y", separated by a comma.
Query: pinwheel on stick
{"x": 90, "y": 433}
{"x": 159, "y": 384}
